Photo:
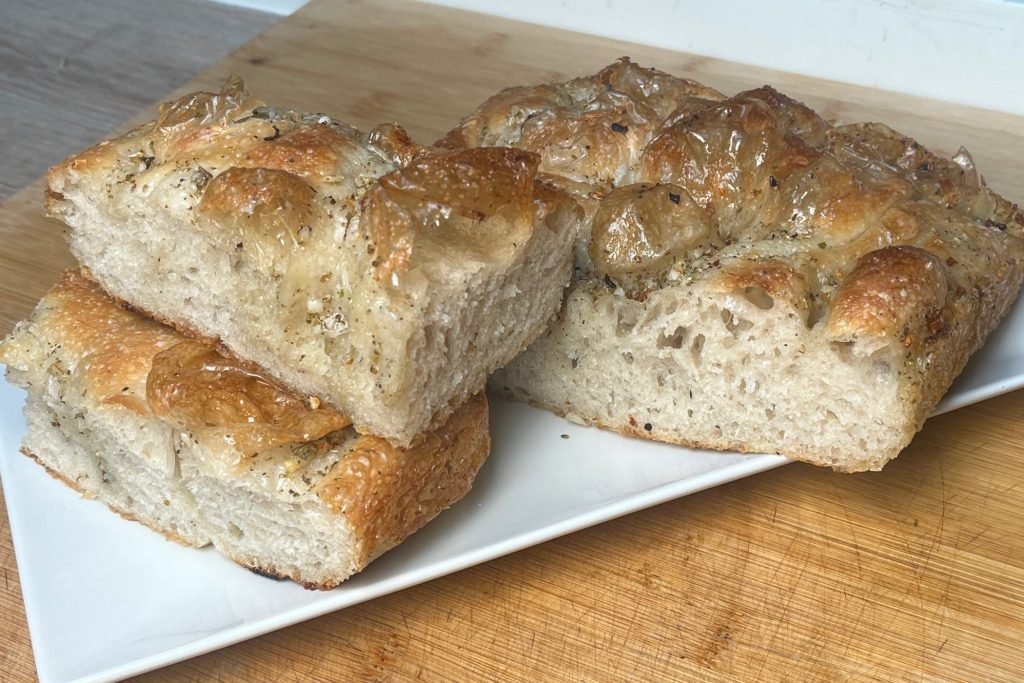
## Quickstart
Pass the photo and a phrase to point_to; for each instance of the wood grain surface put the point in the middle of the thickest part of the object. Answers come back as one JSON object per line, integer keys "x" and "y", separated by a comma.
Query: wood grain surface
{"x": 912, "y": 574}
{"x": 72, "y": 70}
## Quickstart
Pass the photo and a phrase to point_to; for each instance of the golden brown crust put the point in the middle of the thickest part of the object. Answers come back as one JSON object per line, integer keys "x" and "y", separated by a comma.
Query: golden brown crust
{"x": 312, "y": 151}
{"x": 658, "y": 90}
{"x": 889, "y": 290}
{"x": 955, "y": 183}
{"x": 184, "y": 330}
{"x": 511, "y": 104}
{"x": 388, "y": 493}
{"x": 356, "y": 248}
{"x": 277, "y": 186}
{"x": 256, "y": 177}
{"x": 111, "y": 347}
{"x": 247, "y": 366}
{"x": 731, "y": 156}
{"x": 193, "y": 386}
{"x": 588, "y": 129}
{"x": 638, "y": 230}
{"x": 260, "y": 201}
{"x": 118, "y": 357}
{"x": 465, "y": 189}
{"x": 773, "y": 176}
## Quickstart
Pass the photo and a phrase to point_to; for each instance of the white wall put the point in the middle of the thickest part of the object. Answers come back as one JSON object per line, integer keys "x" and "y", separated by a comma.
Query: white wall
{"x": 969, "y": 51}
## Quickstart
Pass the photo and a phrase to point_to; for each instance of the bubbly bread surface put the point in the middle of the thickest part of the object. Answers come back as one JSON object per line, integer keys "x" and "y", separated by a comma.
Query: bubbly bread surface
{"x": 750, "y": 276}
{"x": 385, "y": 278}
{"x": 166, "y": 430}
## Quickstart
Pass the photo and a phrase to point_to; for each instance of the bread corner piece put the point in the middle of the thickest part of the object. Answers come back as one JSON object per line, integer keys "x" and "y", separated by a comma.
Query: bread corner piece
{"x": 751, "y": 277}
{"x": 384, "y": 278}
{"x": 167, "y": 431}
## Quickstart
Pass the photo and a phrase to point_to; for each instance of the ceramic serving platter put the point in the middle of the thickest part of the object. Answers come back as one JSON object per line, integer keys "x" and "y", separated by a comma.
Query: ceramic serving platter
{"x": 106, "y": 598}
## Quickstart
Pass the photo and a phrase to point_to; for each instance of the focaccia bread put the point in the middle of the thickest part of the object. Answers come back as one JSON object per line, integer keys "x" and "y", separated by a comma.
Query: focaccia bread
{"x": 165, "y": 430}
{"x": 751, "y": 277}
{"x": 381, "y": 277}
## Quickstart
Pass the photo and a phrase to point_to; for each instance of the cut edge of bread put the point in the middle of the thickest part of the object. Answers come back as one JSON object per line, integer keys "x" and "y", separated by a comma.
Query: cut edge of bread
{"x": 437, "y": 356}
{"x": 707, "y": 369}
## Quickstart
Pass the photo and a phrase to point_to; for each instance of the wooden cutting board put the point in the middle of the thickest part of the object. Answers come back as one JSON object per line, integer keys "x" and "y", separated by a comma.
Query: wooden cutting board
{"x": 915, "y": 573}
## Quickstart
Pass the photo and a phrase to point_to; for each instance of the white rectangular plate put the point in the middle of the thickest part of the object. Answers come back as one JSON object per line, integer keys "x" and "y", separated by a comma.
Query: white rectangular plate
{"x": 107, "y": 599}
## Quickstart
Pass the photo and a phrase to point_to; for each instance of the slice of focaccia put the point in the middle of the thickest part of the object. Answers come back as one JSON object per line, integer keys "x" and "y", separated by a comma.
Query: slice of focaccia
{"x": 749, "y": 276}
{"x": 165, "y": 430}
{"x": 384, "y": 278}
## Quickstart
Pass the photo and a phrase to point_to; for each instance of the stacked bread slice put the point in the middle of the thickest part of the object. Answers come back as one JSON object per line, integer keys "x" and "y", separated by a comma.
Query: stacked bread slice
{"x": 385, "y": 279}
{"x": 749, "y": 276}
{"x": 281, "y": 332}
{"x": 166, "y": 430}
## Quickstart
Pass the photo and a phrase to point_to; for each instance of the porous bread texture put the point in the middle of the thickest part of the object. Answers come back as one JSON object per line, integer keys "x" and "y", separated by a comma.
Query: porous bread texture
{"x": 705, "y": 369}
{"x": 319, "y": 512}
{"x": 79, "y": 420}
{"x": 302, "y": 246}
{"x": 300, "y": 541}
{"x": 114, "y": 462}
{"x": 750, "y": 277}
{"x": 166, "y": 431}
